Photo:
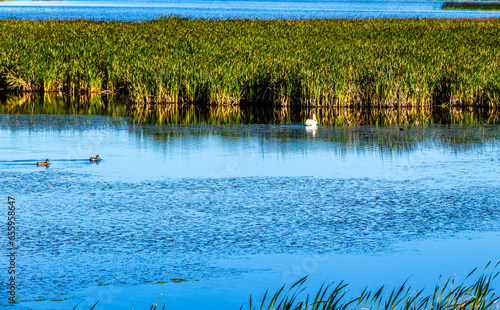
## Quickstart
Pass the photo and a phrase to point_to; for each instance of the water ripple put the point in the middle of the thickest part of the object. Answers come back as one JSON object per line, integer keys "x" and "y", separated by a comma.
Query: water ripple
{"x": 128, "y": 233}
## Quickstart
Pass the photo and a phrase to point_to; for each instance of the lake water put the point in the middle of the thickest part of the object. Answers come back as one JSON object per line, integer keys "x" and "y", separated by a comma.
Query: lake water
{"x": 208, "y": 214}
{"x": 237, "y": 209}
{"x": 136, "y": 10}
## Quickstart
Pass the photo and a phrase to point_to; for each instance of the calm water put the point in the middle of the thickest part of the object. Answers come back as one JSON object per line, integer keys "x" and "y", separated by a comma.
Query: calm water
{"x": 237, "y": 209}
{"x": 233, "y": 210}
{"x": 143, "y": 10}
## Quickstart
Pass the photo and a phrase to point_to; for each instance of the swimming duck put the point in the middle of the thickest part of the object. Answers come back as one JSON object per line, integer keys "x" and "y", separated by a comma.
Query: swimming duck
{"x": 43, "y": 163}
{"x": 94, "y": 159}
{"x": 312, "y": 122}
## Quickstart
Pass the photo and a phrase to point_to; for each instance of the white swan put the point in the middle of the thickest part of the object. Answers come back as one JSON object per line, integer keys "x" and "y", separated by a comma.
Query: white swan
{"x": 312, "y": 122}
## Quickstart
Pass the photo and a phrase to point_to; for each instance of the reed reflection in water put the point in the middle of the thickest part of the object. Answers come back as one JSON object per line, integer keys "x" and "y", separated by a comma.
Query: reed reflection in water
{"x": 244, "y": 114}
{"x": 246, "y": 141}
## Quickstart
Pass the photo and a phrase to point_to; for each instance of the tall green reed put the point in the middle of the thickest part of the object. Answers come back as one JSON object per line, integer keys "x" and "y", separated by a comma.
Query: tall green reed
{"x": 328, "y": 62}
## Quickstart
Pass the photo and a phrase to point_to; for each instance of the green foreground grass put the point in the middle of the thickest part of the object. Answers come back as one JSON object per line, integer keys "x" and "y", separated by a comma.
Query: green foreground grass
{"x": 477, "y": 296}
{"x": 474, "y": 6}
{"x": 330, "y": 62}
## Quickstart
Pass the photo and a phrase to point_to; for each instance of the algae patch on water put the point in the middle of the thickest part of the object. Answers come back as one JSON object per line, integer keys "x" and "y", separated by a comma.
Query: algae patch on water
{"x": 177, "y": 280}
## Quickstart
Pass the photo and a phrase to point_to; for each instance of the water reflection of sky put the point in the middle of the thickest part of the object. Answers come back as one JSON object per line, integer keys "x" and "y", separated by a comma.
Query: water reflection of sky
{"x": 143, "y": 10}
{"x": 243, "y": 208}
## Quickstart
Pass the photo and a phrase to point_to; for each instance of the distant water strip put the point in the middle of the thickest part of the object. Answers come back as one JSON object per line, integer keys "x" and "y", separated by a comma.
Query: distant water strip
{"x": 146, "y": 10}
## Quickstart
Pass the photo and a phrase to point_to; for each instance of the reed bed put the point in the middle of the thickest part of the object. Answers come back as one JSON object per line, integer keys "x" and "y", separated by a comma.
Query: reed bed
{"x": 472, "y": 6}
{"x": 323, "y": 62}
{"x": 477, "y": 296}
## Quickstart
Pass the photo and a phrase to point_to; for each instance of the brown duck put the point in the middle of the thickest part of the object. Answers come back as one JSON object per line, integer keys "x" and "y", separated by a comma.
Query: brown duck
{"x": 43, "y": 163}
{"x": 95, "y": 159}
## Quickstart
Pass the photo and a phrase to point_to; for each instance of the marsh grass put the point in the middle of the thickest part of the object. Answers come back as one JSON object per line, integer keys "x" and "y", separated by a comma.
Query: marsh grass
{"x": 153, "y": 306}
{"x": 474, "y": 6}
{"x": 328, "y": 62}
{"x": 477, "y": 296}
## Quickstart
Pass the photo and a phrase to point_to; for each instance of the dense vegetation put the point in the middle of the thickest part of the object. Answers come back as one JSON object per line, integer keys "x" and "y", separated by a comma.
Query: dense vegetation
{"x": 308, "y": 62}
{"x": 479, "y": 6}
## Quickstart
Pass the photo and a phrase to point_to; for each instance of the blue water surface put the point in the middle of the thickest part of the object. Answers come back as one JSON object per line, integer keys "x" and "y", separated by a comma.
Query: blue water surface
{"x": 137, "y": 10}
{"x": 233, "y": 210}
